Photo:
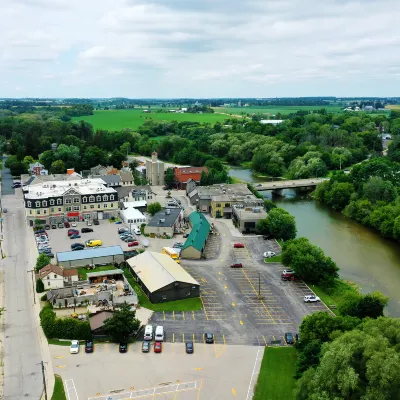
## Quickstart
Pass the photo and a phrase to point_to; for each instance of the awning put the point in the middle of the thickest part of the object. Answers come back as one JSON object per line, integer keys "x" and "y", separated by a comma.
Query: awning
{"x": 73, "y": 214}
{"x": 227, "y": 209}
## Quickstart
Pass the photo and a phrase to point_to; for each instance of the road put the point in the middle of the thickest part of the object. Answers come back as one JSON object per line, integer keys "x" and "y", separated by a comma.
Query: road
{"x": 296, "y": 183}
{"x": 22, "y": 352}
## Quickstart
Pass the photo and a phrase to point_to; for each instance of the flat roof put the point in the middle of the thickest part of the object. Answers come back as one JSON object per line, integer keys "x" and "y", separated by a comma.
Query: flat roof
{"x": 89, "y": 253}
{"x": 104, "y": 273}
{"x": 158, "y": 270}
{"x": 163, "y": 219}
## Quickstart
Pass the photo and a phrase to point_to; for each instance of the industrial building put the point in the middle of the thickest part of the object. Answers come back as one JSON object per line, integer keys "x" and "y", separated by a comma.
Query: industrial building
{"x": 155, "y": 170}
{"x": 165, "y": 223}
{"x": 246, "y": 218}
{"x": 99, "y": 256}
{"x": 161, "y": 278}
{"x": 196, "y": 242}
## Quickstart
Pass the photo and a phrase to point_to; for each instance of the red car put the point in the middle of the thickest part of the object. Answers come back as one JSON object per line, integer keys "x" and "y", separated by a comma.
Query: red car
{"x": 238, "y": 245}
{"x": 66, "y": 224}
{"x": 131, "y": 244}
{"x": 157, "y": 347}
{"x": 73, "y": 232}
{"x": 237, "y": 265}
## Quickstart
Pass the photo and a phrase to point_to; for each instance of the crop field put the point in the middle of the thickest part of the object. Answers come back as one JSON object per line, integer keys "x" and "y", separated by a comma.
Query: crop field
{"x": 393, "y": 106}
{"x": 273, "y": 110}
{"x": 114, "y": 120}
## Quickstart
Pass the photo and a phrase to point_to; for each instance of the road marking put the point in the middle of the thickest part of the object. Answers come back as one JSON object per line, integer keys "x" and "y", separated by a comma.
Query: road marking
{"x": 173, "y": 314}
{"x": 194, "y": 318}
{"x": 199, "y": 369}
{"x": 265, "y": 340}
{"x": 163, "y": 313}
{"x": 173, "y": 338}
{"x": 254, "y": 372}
{"x": 204, "y": 308}
{"x": 59, "y": 357}
{"x": 241, "y": 322}
{"x": 183, "y": 338}
{"x": 225, "y": 287}
{"x": 60, "y": 366}
{"x": 70, "y": 389}
{"x": 233, "y": 391}
{"x": 203, "y": 280}
{"x": 183, "y": 314}
{"x": 233, "y": 304}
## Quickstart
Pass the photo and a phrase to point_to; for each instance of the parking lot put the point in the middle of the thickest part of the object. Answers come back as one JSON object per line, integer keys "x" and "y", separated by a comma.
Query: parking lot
{"x": 170, "y": 375}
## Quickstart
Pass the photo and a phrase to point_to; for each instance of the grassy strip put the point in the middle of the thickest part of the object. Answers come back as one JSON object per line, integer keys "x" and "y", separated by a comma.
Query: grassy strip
{"x": 274, "y": 259}
{"x": 59, "y": 392}
{"x": 82, "y": 272}
{"x": 276, "y": 378}
{"x": 193, "y": 304}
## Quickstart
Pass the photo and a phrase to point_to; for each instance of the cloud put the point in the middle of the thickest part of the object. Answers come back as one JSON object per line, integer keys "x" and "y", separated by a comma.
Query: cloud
{"x": 208, "y": 48}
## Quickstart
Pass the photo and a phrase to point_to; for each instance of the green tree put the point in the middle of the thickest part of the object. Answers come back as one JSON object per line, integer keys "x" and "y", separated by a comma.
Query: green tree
{"x": 360, "y": 210}
{"x": 204, "y": 181}
{"x": 269, "y": 205}
{"x": 122, "y": 324}
{"x": 93, "y": 156}
{"x": 280, "y": 224}
{"x": 125, "y": 148}
{"x": 340, "y": 157}
{"x": 47, "y": 158}
{"x": 169, "y": 178}
{"x": 58, "y": 167}
{"x": 70, "y": 155}
{"x": 309, "y": 261}
{"x": 154, "y": 208}
{"x": 309, "y": 356}
{"x": 376, "y": 189}
{"x": 339, "y": 195}
{"x": 39, "y": 286}
{"x": 116, "y": 158}
{"x": 42, "y": 261}
{"x": 28, "y": 160}
{"x": 361, "y": 306}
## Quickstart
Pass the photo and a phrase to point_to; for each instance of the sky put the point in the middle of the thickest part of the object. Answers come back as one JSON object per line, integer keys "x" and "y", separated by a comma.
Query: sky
{"x": 199, "y": 48}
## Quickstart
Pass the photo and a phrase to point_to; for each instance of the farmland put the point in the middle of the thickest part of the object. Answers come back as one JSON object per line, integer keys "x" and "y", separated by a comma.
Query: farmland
{"x": 273, "y": 110}
{"x": 113, "y": 120}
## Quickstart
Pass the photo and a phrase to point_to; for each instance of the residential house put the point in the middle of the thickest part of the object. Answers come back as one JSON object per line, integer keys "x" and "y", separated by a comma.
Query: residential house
{"x": 138, "y": 193}
{"x": 37, "y": 169}
{"x": 183, "y": 174}
{"x": 110, "y": 180}
{"x": 165, "y": 223}
{"x": 55, "y": 277}
{"x": 126, "y": 177}
{"x": 271, "y": 121}
{"x": 155, "y": 170}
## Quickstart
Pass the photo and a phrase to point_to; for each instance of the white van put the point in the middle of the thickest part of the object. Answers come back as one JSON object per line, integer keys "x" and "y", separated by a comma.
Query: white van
{"x": 148, "y": 332}
{"x": 136, "y": 230}
{"x": 159, "y": 337}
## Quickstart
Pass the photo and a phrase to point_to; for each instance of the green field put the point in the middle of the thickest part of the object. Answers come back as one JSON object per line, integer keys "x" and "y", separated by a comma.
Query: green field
{"x": 276, "y": 379}
{"x": 273, "y": 110}
{"x": 114, "y": 120}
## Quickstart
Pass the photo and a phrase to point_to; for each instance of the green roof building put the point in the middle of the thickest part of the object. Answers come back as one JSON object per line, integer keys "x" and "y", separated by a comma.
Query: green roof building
{"x": 196, "y": 242}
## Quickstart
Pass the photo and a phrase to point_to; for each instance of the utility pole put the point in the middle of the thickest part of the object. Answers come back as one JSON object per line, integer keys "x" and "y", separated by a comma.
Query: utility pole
{"x": 33, "y": 284}
{"x": 44, "y": 379}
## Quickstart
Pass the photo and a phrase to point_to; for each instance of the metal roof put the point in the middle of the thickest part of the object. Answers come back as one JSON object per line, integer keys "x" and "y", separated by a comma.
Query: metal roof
{"x": 158, "y": 270}
{"x": 89, "y": 253}
{"x": 199, "y": 234}
{"x": 163, "y": 219}
{"x": 104, "y": 273}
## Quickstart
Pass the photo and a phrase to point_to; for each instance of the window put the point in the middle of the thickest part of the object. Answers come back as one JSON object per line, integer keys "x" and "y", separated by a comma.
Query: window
{"x": 68, "y": 208}
{"x": 52, "y": 209}
{"x": 84, "y": 199}
{"x": 91, "y": 199}
{"x": 76, "y": 208}
{"x": 48, "y": 283}
{"x": 59, "y": 201}
{"x": 218, "y": 205}
{"x": 52, "y": 202}
{"x": 105, "y": 205}
{"x": 105, "y": 198}
{"x": 59, "y": 209}
{"x": 111, "y": 197}
{"x": 29, "y": 204}
{"x": 37, "y": 204}
{"x": 38, "y": 212}
{"x": 227, "y": 204}
{"x": 68, "y": 201}
{"x": 84, "y": 207}
{"x": 45, "y": 203}
{"x": 44, "y": 211}
{"x": 55, "y": 276}
{"x": 98, "y": 198}
{"x": 76, "y": 200}
{"x": 30, "y": 212}
{"x": 48, "y": 276}
{"x": 112, "y": 205}
{"x": 98, "y": 205}
{"x": 92, "y": 206}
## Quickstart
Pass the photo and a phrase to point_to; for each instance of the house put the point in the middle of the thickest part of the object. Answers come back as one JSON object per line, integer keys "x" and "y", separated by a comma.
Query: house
{"x": 56, "y": 277}
{"x": 110, "y": 180}
{"x": 161, "y": 278}
{"x": 155, "y": 170}
{"x": 165, "y": 223}
{"x": 190, "y": 186}
{"x": 183, "y": 174}
{"x": 126, "y": 177}
{"x": 138, "y": 193}
{"x": 37, "y": 169}
{"x": 96, "y": 322}
{"x": 196, "y": 242}
{"x": 369, "y": 108}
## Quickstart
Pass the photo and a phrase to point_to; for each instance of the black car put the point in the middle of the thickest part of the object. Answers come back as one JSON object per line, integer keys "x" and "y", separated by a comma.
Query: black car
{"x": 89, "y": 346}
{"x": 40, "y": 231}
{"x": 123, "y": 347}
{"x": 45, "y": 250}
{"x": 209, "y": 337}
{"x": 96, "y": 222}
{"x": 54, "y": 226}
{"x": 51, "y": 255}
{"x": 47, "y": 227}
{"x": 185, "y": 235}
{"x": 189, "y": 348}
{"x": 289, "y": 338}
{"x": 86, "y": 230}
{"x": 75, "y": 245}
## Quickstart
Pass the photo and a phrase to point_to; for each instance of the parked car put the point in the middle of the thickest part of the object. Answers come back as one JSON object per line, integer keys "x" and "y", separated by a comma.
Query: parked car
{"x": 128, "y": 239}
{"x": 145, "y": 347}
{"x": 74, "y": 348}
{"x": 118, "y": 222}
{"x": 73, "y": 224}
{"x": 289, "y": 338}
{"x": 134, "y": 243}
{"x": 237, "y": 265}
{"x": 238, "y": 245}
{"x": 287, "y": 274}
{"x": 157, "y": 347}
{"x": 45, "y": 250}
{"x": 123, "y": 347}
{"x": 72, "y": 232}
{"x": 269, "y": 254}
{"x": 209, "y": 337}
{"x": 89, "y": 223}
{"x": 78, "y": 248}
{"x": 16, "y": 185}
{"x": 51, "y": 255}
{"x": 47, "y": 227}
{"x": 74, "y": 245}
{"x": 54, "y": 226}
{"x": 75, "y": 236}
{"x": 86, "y": 230}
{"x": 89, "y": 347}
{"x": 67, "y": 224}
{"x": 60, "y": 225}
{"x": 189, "y": 347}
{"x": 310, "y": 298}
{"x": 122, "y": 230}
{"x": 40, "y": 232}
{"x": 96, "y": 222}
{"x": 185, "y": 235}
{"x": 177, "y": 245}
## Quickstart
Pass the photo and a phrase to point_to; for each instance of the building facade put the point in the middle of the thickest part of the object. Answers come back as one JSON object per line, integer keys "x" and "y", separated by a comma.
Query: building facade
{"x": 155, "y": 171}
{"x": 246, "y": 218}
{"x": 60, "y": 201}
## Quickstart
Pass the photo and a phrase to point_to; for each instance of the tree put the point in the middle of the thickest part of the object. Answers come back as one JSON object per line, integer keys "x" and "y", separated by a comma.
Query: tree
{"x": 361, "y": 306}
{"x": 154, "y": 208}
{"x": 339, "y": 195}
{"x": 280, "y": 224}
{"x": 116, "y": 158}
{"x": 39, "y": 286}
{"x": 169, "y": 177}
{"x": 58, "y": 167}
{"x": 309, "y": 356}
{"x": 69, "y": 154}
{"x": 47, "y": 158}
{"x": 359, "y": 364}
{"x": 204, "y": 181}
{"x": 28, "y": 160}
{"x": 340, "y": 157}
{"x": 269, "y": 205}
{"x": 122, "y": 324}
{"x": 125, "y": 148}
{"x": 42, "y": 261}
{"x": 94, "y": 156}
{"x": 309, "y": 261}
{"x": 376, "y": 189}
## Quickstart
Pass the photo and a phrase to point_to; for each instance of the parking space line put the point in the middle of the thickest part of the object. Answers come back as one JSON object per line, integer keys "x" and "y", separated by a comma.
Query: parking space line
{"x": 173, "y": 315}
{"x": 163, "y": 315}
{"x": 194, "y": 318}
{"x": 204, "y": 308}
{"x": 183, "y": 314}
{"x": 71, "y": 390}
{"x": 183, "y": 338}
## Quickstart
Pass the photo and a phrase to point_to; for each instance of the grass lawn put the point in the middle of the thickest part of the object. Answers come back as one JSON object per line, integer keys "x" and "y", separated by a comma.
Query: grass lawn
{"x": 193, "y": 304}
{"x": 276, "y": 379}
{"x": 82, "y": 272}
{"x": 274, "y": 259}
{"x": 59, "y": 342}
{"x": 59, "y": 392}
{"x": 120, "y": 119}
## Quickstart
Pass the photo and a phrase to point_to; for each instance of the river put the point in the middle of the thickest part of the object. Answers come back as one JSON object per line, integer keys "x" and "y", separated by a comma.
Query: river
{"x": 363, "y": 256}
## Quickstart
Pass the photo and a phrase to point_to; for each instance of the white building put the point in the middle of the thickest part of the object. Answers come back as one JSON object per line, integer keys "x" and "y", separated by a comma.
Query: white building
{"x": 55, "y": 277}
{"x": 133, "y": 216}
{"x": 155, "y": 170}
{"x": 271, "y": 121}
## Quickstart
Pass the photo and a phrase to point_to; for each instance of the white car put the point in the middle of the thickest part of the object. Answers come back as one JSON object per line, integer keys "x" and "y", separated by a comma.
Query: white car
{"x": 74, "y": 349}
{"x": 310, "y": 298}
{"x": 269, "y": 254}
{"x": 73, "y": 224}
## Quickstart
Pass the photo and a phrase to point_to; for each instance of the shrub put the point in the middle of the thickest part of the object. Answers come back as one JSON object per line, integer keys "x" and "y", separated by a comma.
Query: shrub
{"x": 39, "y": 286}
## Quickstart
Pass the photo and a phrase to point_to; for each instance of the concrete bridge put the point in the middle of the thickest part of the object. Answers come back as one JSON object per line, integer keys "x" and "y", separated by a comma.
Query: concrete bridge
{"x": 297, "y": 183}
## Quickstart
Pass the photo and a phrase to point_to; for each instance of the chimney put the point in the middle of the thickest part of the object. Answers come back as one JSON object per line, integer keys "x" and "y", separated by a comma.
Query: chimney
{"x": 70, "y": 171}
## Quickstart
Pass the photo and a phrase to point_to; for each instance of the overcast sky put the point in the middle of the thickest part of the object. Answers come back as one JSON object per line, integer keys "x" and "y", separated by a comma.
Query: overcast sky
{"x": 199, "y": 48}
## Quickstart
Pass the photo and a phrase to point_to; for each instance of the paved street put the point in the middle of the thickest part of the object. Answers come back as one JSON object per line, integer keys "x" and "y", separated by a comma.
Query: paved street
{"x": 22, "y": 375}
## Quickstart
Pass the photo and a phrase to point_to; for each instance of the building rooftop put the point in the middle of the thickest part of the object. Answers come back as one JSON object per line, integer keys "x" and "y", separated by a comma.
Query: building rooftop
{"x": 89, "y": 253}
{"x": 97, "y": 321}
{"x": 158, "y": 270}
{"x": 60, "y": 188}
{"x": 105, "y": 273}
{"x": 220, "y": 189}
{"x": 271, "y": 121}
{"x": 165, "y": 217}
{"x": 200, "y": 231}
{"x": 237, "y": 197}
{"x": 135, "y": 204}
{"x": 126, "y": 176}
{"x": 109, "y": 179}
{"x": 250, "y": 212}
{"x": 133, "y": 214}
